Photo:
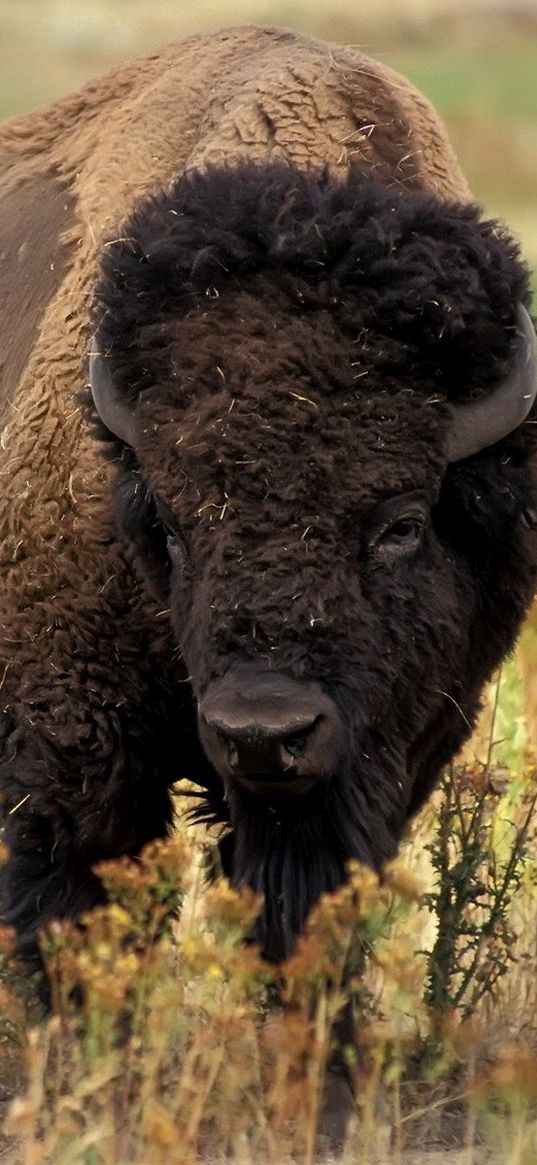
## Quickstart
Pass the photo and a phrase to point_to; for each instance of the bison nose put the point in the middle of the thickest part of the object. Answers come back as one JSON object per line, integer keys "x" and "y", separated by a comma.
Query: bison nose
{"x": 256, "y": 747}
{"x": 270, "y": 732}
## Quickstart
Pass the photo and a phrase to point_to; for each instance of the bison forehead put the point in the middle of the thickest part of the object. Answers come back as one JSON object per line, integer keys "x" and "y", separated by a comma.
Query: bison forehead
{"x": 292, "y": 445}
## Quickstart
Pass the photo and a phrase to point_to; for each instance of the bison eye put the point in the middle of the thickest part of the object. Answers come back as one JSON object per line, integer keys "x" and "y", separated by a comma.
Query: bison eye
{"x": 400, "y": 539}
{"x": 404, "y": 532}
{"x": 395, "y": 530}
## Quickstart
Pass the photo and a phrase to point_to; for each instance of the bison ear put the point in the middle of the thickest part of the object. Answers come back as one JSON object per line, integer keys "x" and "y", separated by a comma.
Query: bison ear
{"x": 112, "y": 410}
{"x": 482, "y": 423}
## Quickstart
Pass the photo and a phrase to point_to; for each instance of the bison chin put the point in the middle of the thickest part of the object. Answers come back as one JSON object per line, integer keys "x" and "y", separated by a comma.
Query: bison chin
{"x": 294, "y": 850}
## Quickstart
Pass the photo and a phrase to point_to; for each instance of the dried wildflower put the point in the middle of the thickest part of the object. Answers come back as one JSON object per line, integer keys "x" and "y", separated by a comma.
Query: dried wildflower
{"x": 398, "y": 878}
{"x": 231, "y": 914}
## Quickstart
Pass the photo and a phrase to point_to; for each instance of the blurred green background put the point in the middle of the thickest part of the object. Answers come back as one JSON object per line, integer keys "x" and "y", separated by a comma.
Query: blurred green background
{"x": 476, "y": 60}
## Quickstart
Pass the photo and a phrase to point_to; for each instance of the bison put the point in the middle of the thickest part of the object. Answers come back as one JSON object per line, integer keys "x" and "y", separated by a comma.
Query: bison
{"x": 287, "y": 537}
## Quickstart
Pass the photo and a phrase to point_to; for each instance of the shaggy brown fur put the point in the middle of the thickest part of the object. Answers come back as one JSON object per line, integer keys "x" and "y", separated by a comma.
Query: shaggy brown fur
{"x": 98, "y": 718}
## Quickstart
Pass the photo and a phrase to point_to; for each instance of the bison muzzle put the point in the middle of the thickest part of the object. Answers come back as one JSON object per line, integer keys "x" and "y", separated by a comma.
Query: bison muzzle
{"x": 269, "y": 732}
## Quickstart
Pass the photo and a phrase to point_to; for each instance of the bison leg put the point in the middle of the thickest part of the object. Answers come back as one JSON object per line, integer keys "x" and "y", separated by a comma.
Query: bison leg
{"x": 42, "y": 880}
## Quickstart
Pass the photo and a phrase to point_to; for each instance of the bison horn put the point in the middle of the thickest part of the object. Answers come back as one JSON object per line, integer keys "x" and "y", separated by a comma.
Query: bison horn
{"x": 113, "y": 411}
{"x": 481, "y": 424}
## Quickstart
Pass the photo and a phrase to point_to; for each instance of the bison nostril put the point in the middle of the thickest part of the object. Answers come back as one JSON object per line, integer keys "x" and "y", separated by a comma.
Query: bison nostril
{"x": 232, "y": 754}
{"x": 296, "y": 743}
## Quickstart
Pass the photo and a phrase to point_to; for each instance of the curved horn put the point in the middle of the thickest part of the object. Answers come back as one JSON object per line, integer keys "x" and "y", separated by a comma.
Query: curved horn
{"x": 113, "y": 411}
{"x": 481, "y": 424}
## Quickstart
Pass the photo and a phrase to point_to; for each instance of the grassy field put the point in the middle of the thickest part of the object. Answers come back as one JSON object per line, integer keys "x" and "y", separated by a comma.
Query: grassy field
{"x": 175, "y": 1055}
{"x": 488, "y": 96}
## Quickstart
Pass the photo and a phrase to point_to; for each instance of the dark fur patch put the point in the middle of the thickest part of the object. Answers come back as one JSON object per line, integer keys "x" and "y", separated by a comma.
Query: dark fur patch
{"x": 435, "y": 284}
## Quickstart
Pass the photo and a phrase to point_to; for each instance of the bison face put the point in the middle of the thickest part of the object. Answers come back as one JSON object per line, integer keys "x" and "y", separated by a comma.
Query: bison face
{"x": 337, "y": 593}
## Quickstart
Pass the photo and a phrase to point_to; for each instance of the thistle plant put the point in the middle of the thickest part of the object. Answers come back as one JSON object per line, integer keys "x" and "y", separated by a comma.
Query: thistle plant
{"x": 478, "y": 853}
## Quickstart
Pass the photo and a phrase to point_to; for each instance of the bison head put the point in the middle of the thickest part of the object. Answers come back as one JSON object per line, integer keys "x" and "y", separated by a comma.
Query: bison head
{"x": 319, "y": 388}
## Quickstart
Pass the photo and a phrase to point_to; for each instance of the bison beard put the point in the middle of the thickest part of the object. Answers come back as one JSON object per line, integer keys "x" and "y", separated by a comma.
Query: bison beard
{"x": 292, "y": 854}
{"x": 291, "y": 859}
{"x": 291, "y": 851}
